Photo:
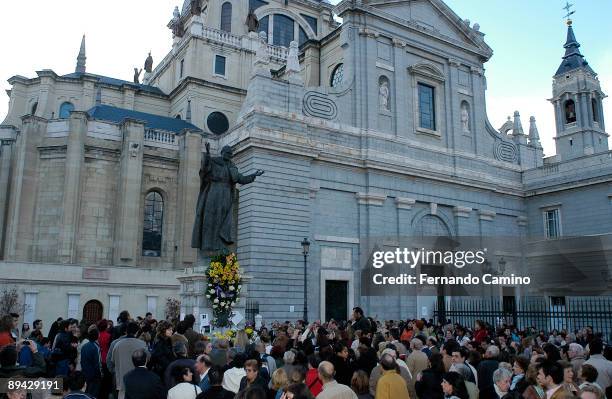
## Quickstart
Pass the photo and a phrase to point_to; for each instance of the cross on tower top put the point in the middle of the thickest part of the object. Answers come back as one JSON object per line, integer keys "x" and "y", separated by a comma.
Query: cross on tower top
{"x": 567, "y": 8}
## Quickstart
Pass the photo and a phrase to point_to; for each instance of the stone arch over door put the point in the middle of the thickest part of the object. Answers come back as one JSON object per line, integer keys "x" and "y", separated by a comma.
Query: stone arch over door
{"x": 427, "y": 227}
{"x": 93, "y": 311}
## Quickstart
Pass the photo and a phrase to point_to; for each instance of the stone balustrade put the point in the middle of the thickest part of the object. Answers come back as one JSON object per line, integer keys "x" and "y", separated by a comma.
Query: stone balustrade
{"x": 159, "y": 138}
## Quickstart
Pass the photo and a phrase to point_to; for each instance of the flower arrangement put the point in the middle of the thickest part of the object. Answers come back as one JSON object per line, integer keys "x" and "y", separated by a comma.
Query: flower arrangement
{"x": 228, "y": 335}
{"x": 223, "y": 288}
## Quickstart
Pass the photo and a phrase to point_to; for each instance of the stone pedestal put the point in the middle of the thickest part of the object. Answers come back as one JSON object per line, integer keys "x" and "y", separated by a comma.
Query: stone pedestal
{"x": 192, "y": 293}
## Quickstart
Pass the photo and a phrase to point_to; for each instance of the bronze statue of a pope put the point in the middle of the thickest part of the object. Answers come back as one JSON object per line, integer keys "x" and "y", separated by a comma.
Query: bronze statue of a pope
{"x": 212, "y": 230}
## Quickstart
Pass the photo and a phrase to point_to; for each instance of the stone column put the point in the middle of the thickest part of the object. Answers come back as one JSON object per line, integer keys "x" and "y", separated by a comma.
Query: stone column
{"x": 8, "y": 136}
{"x": 24, "y": 180}
{"x": 75, "y": 157}
{"x": 129, "y": 211}
{"x": 190, "y": 153}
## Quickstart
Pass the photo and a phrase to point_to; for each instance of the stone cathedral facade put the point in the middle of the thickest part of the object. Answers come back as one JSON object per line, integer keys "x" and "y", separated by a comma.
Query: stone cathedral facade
{"x": 380, "y": 131}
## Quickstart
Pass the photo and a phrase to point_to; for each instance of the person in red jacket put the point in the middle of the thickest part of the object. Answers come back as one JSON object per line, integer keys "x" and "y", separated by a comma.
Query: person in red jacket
{"x": 6, "y": 325}
{"x": 480, "y": 332}
{"x": 313, "y": 382}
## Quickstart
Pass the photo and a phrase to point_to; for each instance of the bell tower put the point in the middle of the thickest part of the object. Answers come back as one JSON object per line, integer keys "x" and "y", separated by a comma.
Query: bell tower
{"x": 577, "y": 99}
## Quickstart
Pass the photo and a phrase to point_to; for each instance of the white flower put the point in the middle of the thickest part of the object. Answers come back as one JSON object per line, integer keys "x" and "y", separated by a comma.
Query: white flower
{"x": 211, "y": 291}
{"x": 208, "y": 296}
{"x": 214, "y": 306}
{"x": 216, "y": 300}
{"x": 232, "y": 288}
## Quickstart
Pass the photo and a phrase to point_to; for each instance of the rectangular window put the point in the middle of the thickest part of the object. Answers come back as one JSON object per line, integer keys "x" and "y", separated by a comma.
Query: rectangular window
{"x": 551, "y": 222}
{"x": 29, "y": 307}
{"x": 219, "y": 65}
{"x": 113, "y": 306}
{"x": 152, "y": 305}
{"x": 182, "y": 68}
{"x": 73, "y": 305}
{"x": 427, "y": 116}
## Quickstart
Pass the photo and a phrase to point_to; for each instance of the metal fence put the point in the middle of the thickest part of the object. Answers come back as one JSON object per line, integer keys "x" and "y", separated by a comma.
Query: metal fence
{"x": 543, "y": 313}
{"x": 252, "y": 309}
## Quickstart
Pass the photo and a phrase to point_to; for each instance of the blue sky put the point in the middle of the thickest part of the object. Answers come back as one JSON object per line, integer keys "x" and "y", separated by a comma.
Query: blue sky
{"x": 526, "y": 36}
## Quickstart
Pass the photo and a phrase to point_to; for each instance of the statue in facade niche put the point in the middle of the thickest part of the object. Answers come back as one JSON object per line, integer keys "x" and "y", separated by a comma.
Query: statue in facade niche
{"x": 383, "y": 95}
{"x": 252, "y": 22}
{"x": 465, "y": 118}
{"x": 212, "y": 230}
{"x": 148, "y": 66}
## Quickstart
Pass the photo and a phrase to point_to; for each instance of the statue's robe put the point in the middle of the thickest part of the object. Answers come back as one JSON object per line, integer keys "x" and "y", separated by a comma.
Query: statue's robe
{"x": 212, "y": 230}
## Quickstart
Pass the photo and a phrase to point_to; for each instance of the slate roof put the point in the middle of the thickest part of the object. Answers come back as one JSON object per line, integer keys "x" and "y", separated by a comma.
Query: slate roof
{"x": 117, "y": 115}
{"x": 117, "y": 82}
{"x": 572, "y": 59}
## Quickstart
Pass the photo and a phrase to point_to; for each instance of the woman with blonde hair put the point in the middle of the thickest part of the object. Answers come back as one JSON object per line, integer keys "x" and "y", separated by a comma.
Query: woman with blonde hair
{"x": 279, "y": 382}
{"x": 241, "y": 341}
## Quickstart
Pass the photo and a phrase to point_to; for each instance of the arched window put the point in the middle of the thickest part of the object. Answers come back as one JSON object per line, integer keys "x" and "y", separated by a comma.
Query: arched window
{"x": 432, "y": 226}
{"x": 282, "y": 30}
{"x": 595, "y": 110}
{"x": 152, "y": 228}
{"x": 263, "y": 24}
{"x": 65, "y": 109}
{"x": 337, "y": 75}
{"x": 178, "y": 116}
{"x": 570, "y": 111}
{"x": 217, "y": 123}
{"x": 226, "y": 17}
{"x": 34, "y": 106}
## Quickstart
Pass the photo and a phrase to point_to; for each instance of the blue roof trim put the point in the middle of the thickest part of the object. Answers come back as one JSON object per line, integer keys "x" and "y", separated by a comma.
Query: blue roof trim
{"x": 156, "y": 122}
{"x": 117, "y": 82}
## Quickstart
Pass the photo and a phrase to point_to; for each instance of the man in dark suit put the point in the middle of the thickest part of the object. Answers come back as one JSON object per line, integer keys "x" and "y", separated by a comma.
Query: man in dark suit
{"x": 141, "y": 383}
{"x": 216, "y": 391}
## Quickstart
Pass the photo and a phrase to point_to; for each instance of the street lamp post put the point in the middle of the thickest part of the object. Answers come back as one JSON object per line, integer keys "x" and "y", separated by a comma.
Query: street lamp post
{"x": 305, "y": 249}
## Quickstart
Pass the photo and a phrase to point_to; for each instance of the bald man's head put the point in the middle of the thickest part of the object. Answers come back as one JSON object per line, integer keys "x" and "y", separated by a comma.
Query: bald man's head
{"x": 326, "y": 371}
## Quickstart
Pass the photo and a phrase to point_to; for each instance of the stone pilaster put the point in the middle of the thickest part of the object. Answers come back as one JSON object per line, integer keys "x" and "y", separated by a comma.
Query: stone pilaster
{"x": 129, "y": 211}
{"x": 20, "y": 215}
{"x": 128, "y": 97}
{"x": 8, "y": 135}
{"x": 462, "y": 219}
{"x": 75, "y": 157}
{"x": 190, "y": 148}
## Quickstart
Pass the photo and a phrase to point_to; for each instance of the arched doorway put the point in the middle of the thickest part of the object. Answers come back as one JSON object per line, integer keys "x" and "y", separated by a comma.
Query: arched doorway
{"x": 92, "y": 311}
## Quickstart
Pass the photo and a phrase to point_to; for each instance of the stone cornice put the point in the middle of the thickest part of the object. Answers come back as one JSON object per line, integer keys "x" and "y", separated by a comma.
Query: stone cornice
{"x": 370, "y": 199}
{"x": 486, "y": 215}
{"x": 462, "y": 211}
{"x": 404, "y": 203}
{"x": 205, "y": 83}
{"x": 478, "y": 46}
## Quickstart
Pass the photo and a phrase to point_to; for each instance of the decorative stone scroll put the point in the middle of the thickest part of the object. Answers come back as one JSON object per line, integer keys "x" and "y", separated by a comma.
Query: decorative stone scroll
{"x": 319, "y": 106}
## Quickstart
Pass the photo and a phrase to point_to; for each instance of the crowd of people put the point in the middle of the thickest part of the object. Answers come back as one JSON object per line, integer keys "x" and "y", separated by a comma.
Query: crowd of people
{"x": 142, "y": 358}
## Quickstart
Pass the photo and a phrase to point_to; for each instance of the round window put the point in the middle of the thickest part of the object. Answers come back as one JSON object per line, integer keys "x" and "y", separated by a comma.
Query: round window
{"x": 217, "y": 123}
{"x": 337, "y": 75}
